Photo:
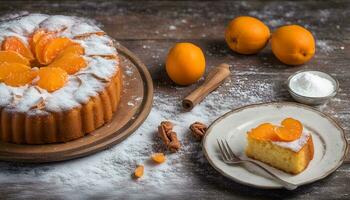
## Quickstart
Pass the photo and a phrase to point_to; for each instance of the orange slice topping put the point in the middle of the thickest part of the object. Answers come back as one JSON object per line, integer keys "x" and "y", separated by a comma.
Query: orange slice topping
{"x": 70, "y": 62}
{"x": 13, "y": 57}
{"x": 53, "y": 48}
{"x": 16, "y": 79}
{"x": 72, "y": 49}
{"x": 264, "y": 132}
{"x": 52, "y": 78}
{"x": 13, "y": 43}
{"x": 7, "y": 68}
{"x": 158, "y": 157}
{"x": 40, "y": 45}
{"x": 292, "y": 124}
{"x": 290, "y": 130}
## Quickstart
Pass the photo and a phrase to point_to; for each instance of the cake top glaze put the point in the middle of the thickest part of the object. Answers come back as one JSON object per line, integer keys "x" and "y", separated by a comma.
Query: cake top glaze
{"x": 99, "y": 54}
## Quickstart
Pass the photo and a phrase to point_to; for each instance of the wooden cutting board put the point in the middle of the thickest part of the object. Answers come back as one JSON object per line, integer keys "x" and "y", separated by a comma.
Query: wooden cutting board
{"x": 136, "y": 103}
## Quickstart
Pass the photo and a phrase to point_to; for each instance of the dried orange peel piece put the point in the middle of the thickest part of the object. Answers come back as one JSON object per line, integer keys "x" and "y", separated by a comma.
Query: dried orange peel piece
{"x": 52, "y": 78}
{"x": 158, "y": 157}
{"x": 13, "y": 43}
{"x": 13, "y": 57}
{"x": 265, "y": 132}
{"x": 139, "y": 171}
{"x": 53, "y": 48}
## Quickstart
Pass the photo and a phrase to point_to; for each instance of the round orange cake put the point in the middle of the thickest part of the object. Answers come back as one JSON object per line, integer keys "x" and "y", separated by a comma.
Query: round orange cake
{"x": 59, "y": 79}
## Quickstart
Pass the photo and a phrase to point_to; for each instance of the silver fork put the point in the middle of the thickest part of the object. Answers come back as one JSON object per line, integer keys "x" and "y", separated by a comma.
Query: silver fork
{"x": 231, "y": 159}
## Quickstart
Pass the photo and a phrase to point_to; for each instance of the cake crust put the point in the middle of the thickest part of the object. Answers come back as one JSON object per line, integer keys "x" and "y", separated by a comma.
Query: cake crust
{"x": 271, "y": 154}
{"x": 54, "y": 127}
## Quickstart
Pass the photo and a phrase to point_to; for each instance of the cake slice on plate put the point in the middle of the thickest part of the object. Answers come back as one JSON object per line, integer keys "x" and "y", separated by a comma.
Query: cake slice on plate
{"x": 287, "y": 147}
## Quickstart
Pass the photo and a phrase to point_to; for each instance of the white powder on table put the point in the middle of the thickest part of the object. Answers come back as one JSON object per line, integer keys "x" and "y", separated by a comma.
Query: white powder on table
{"x": 109, "y": 172}
{"x": 311, "y": 85}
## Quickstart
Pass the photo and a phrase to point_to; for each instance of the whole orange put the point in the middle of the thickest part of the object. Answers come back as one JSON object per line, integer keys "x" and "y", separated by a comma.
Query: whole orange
{"x": 293, "y": 44}
{"x": 185, "y": 63}
{"x": 247, "y": 35}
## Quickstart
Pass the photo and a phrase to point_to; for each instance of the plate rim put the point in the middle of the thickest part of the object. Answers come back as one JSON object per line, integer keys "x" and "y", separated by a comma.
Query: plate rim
{"x": 333, "y": 121}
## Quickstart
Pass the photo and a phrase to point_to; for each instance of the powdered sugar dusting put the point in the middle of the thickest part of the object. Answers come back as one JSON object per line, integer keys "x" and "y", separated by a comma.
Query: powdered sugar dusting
{"x": 295, "y": 145}
{"x": 112, "y": 168}
{"x": 79, "y": 87}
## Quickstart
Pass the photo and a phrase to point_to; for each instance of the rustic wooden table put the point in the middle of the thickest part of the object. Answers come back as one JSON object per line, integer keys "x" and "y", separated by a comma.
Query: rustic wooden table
{"x": 150, "y": 28}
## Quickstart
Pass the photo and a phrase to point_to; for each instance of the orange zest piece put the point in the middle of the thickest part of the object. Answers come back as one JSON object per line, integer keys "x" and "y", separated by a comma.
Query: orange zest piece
{"x": 13, "y": 43}
{"x": 53, "y": 48}
{"x": 158, "y": 157}
{"x": 40, "y": 45}
{"x": 13, "y": 57}
{"x": 265, "y": 132}
{"x": 7, "y": 68}
{"x": 70, "y": 62}
{"x": 138, "y": 173}
{"x": 52, "y": 78}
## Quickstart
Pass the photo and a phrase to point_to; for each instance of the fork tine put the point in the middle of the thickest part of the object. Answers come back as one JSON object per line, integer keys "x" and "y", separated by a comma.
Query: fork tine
{"x": 230, "y": 150}
{"x": 223, "y": 155}
{"x": 226, "y": 151}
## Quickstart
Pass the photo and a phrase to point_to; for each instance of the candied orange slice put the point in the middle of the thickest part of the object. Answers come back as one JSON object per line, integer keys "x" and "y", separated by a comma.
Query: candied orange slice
{"x": 286, "y": 134}
{"x": 72, "y": 49}
{"x": 139, "y": 171}
{"x": 158, "y": 157}
{"x": 265, "y": 132}
{"x": 40, "y": 45}
{"x": 291, "y": 123}
{"x": 53, "y": 48}
{"x": 16, "y": 79}
{"x": 13, "y": 57}
{"x": 52, "y": 78}
{"x": 71, "y": 63}
{"x": 13, "y": 43}
{"x": 7, "y": 68}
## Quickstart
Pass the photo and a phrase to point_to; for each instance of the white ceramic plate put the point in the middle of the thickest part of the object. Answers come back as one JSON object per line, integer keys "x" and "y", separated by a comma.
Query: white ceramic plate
{"x": 328, "y": 137}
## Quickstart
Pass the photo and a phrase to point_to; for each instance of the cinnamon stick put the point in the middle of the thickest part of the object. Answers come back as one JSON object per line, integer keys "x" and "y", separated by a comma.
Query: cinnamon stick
{"x": 215, "y": 77}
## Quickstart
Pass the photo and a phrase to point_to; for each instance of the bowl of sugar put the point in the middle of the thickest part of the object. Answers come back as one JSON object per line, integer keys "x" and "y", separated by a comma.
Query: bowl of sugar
{"x": 312, "y": 87}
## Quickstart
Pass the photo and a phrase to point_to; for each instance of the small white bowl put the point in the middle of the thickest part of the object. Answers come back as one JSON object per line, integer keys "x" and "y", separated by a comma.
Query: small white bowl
{"x": 313, "y": 100}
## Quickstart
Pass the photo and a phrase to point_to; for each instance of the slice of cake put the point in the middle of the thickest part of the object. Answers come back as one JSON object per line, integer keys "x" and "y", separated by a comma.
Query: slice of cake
{"x": 287, "y": 147}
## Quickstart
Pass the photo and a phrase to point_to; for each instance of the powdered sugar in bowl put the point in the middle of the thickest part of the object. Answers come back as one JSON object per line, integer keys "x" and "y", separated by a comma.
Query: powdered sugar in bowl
{"x": 312, "y": 87}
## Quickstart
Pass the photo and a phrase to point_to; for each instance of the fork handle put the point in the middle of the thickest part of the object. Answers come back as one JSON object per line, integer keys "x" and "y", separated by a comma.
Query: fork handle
{"x": 287, "y": 185}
